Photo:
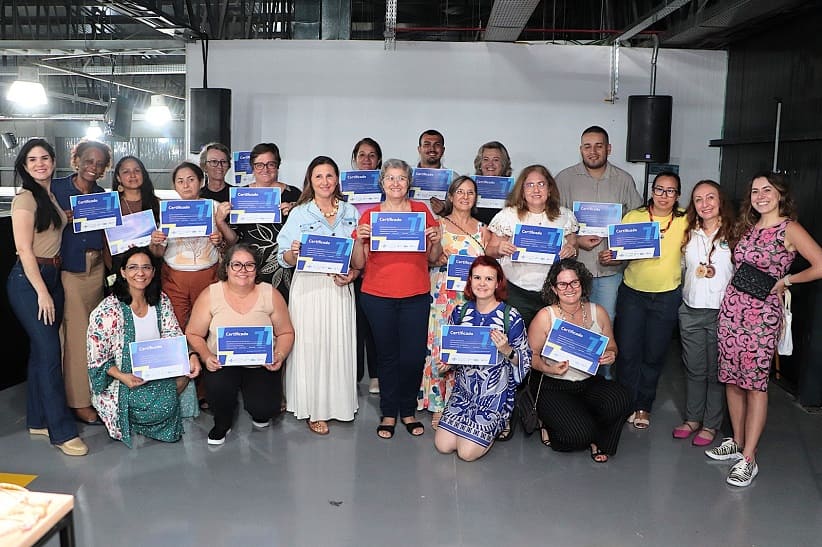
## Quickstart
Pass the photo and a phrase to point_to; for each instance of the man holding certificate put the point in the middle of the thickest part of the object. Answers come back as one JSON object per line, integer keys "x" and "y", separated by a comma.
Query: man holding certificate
{"x": 321, "y": 381}
{"x": 395, "y": 292}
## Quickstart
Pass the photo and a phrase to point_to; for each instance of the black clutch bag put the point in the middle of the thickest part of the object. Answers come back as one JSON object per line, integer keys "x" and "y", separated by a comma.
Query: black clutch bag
{"x": 753, "y": 281}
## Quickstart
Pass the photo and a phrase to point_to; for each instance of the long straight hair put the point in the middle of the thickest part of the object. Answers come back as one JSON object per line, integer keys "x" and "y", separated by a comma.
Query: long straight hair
{"x": 148, "y": 199}
{"x": 46, "y": 214}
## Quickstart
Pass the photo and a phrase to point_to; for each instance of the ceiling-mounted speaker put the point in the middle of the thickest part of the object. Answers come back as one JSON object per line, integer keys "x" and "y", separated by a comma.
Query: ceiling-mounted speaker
{"x": 9, "y": 140}
{"x": 118, "y": 118}
{"x": 209, "y": 117}
{"x": 649, "y": 128}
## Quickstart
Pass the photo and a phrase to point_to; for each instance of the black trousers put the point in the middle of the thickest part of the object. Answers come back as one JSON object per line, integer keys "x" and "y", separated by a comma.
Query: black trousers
{"x": 262, "y": 393}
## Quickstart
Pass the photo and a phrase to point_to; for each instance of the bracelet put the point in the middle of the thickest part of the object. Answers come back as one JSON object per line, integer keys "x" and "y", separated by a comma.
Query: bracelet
{"x": 787, "y": 280}
{"x": 190, "y": 353}
{"x": 511, "y": 355}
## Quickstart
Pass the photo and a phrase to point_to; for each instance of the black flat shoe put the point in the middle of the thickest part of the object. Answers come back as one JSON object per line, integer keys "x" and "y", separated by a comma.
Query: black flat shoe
{"x": 412, "y": 426}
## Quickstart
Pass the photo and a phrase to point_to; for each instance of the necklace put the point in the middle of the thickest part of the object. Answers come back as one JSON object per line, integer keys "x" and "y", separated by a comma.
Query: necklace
{"x": 564, "y": 317}
{"x": 706, "y": 269}
{"x": 333, "y": 211}
{"x": 662, "y": 230}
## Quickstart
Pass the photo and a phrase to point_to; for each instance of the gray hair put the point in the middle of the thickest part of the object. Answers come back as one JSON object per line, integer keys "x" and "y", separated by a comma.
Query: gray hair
{"x": 394, "y": 163}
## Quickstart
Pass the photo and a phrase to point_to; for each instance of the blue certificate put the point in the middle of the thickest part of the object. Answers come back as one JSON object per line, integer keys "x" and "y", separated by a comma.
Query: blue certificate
{"x": 163, "y": 358}
{"x": 635, "y": 240}
{"x": 324, "y": 254}
{"x": 134, "y": 232}
{"x": 187, "y": 217}
{"x": 243, "y": 172}
{"x": 457, "y": 272}
{"x": 361, "y": 186}
{"x": 537, "y": 244}
{"x": 582, "y": 348}
{"x": 95, "y": 211}
{"x": 430, "y": 183}
{"x": 493, "y": 191}
{"x": 397, "y": 231}
{"x": 466, "y": 345}
{"x": 254, "y": 205}
{"x": 245, "y": 346}
{"x": 594, "y": 218}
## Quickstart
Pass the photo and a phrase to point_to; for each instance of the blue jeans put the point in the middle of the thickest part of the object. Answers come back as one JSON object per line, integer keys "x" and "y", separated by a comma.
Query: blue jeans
{"x": 400, "y": 328}
{"x": 46, "y": 405}
{"x": 604, "y": 292}
{"x": 646, "y": 322}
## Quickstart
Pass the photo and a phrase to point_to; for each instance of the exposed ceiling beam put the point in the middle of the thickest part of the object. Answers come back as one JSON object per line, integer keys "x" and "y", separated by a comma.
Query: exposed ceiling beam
{"x": 508, "y": 19}
{"x": 153, "y": 17}
{"x": 109, "y": 81}
{"x": 660, "y": 13}
{"x": 119, "y": 70}
{"x": 39, "y": 48}
{"x": 66, "y": 97}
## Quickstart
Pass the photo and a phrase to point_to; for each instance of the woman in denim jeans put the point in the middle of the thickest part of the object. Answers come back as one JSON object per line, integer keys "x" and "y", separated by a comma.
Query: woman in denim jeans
{"x": 36, "y": 295}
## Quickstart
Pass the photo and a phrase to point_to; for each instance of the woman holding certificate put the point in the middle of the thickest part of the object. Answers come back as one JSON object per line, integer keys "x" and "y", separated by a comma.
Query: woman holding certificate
{"x": 708, "y": 270}
{"x": 578, "y": 410}
{"x": 534, "y": 201}
{"x": 749, "y": 325}
{"x": 482, "y": 399}
{"x": 396, "y": 292}
{"x": 648, "y": 298}
{"x": 241, "y": 300}
{"x": 321, "y": 381}
{"x": 265, "y": 161}
{"x": 36, "y": 295}
{"x": 464, "y": 236}
{"x": 137, "y": 311}
{"x": 492, "y": 160}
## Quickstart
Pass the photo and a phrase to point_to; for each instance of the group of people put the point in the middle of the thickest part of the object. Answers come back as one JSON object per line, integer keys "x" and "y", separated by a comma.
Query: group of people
{"x": 388, "y": 309}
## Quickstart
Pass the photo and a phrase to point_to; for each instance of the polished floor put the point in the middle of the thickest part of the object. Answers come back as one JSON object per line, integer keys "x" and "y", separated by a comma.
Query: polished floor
{"x": 285, "y": 486}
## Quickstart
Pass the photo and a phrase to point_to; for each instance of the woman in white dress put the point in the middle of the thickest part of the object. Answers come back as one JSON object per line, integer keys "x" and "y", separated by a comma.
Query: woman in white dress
{"x": 321, "y": 381}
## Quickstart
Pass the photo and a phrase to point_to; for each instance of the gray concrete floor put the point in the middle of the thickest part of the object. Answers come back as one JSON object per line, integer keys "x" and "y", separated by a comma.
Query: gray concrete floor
{"x": 285, "y": 486}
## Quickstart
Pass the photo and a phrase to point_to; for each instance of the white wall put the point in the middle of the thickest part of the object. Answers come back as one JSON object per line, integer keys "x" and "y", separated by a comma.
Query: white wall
{"x": 320, "y": 97}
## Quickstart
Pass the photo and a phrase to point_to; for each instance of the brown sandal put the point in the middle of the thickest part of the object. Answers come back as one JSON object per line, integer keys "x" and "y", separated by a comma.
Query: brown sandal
{"x": 319, "y": 427}
{"x": 642, "y": 419}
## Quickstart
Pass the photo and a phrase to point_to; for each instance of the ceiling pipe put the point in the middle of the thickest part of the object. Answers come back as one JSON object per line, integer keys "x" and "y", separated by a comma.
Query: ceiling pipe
{"x": 108, "y": 81}
{"x": 656, "y": 16}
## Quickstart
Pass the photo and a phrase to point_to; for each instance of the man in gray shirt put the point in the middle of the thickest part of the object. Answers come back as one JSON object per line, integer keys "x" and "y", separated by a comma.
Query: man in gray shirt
{"x": 596, "y": 180}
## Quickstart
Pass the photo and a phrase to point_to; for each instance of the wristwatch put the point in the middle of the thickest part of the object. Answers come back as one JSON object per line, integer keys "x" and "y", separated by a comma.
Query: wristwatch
{"x": 511, "y": 355}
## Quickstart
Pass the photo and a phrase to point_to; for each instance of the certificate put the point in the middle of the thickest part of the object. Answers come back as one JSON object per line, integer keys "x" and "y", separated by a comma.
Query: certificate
{"x": 493, "y": 191}
{"x": 582, "y": 348}
{"x": 187, "y": 217}
{"x": 254, "y": 205}
{"x": 594, "y": 218}
{"x": 134, "y": 232}
{"x": 95, "y": 211}
{"x": 243, "y": 172}
{"x": 163, "y": 358}
{"x": 245, "y": 346}
{"x": 361, "y": 186}
{"x": 397, "y": 231}
{"x": 635, "y": 240}
{"x": 537, "y": 244}
{"x": 466, "y": 345}
{"x": 324, "y": 254}
{"x": 430, "y": 183}
{"x": 457, "y": 272}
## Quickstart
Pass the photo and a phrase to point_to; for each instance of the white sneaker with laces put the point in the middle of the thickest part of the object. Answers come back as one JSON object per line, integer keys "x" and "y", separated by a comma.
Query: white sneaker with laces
{"x": 742, "y": 473}
{"x": 728, "y": 450}
{"x": 261, "y": 425}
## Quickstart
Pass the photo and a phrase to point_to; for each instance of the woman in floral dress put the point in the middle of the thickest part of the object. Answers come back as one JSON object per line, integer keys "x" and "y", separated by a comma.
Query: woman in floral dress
{"x": 462, "y": 234}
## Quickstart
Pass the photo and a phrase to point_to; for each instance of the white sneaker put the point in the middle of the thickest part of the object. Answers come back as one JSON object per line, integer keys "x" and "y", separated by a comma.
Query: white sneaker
{"x": 374, "y": 386}
{"x": 217, "y": 437}
{"x": 261, "y": 425}
{"x": 728, "y": 450}
{"x": 742, "y": 473}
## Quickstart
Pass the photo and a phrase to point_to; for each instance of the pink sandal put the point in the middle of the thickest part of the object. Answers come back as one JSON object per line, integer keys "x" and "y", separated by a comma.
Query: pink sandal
{"x": 704, "y": 437}
{"x": 685, "y": 430}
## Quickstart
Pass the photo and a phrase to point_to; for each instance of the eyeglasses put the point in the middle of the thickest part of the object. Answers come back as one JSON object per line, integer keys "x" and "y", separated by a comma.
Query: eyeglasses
{"x": 670, "y": 192}
{"x": 247, "y": 266}
{"x": 220, "y": 163}
{"x": 395, "y": 178}
{"x": 468, "y": 193}
{"x": 532, "y": 185}
{"x": 259, "y": 165}
{"x": 563, "y": 285}
{"x": 134, "y": 268}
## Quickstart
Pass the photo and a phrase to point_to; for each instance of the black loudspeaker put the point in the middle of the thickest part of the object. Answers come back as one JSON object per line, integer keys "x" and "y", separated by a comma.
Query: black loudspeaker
{"x": 209, "y": 118}
{"x": 118, "y": 118}
{"x": 649, "y": 128}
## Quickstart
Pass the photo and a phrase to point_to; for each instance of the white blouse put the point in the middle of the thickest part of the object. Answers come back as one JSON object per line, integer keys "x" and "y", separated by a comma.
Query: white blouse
{"x": 706, "y": 292}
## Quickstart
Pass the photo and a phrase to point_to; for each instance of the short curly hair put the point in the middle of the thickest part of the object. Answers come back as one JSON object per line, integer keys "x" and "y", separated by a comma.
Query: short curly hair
{"x": 584, "y": 276}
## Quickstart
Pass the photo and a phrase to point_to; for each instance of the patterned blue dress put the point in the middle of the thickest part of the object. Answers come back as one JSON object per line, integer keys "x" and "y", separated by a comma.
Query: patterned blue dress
{"x": 483, "y": 397}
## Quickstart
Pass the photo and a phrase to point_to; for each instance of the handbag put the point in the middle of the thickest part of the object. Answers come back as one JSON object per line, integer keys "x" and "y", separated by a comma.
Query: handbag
{"x": 785, "y": 345}
{"x": 753, "y": 281}
{"x": 526, "y": 406}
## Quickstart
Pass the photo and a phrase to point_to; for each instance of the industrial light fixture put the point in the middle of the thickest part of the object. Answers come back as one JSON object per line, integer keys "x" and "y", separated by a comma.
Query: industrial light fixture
{"x": 94, "y": 131}
{"x": 158, "y": 113}
{"x": 27, "y": 89}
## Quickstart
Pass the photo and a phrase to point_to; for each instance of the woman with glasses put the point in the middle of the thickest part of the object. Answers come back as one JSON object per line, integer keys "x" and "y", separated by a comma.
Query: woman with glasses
{"x": 265, "y": 161}
{"x": 240, "y": 299}
{"x": 82, "y": 273}
{"x": 462, "y": 234}
{"x": 492, "y": 160}
{"x": 396, "y": 298}
{"x": 648, "y": 298}
{"x": 215, "y": 160}
{"x": 36, "y": 295}
{"x": 578, "y": 411}
{"x": 534, "y": 200}
{"x": 137, "y": 311}
{"x": 321, "y": 382}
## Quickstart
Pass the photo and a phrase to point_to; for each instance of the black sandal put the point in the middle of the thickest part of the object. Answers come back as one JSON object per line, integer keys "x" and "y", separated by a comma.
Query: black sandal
{"x": 411, "y": 426}
{"x": 597, "y": 453}
{"x": 387, "y": 428}
{"x": 507, "y": 431}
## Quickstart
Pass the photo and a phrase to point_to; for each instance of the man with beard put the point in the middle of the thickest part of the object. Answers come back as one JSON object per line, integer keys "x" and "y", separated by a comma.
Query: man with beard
{"x": 594, "y": 179}
{"x": 431, "y": 148}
